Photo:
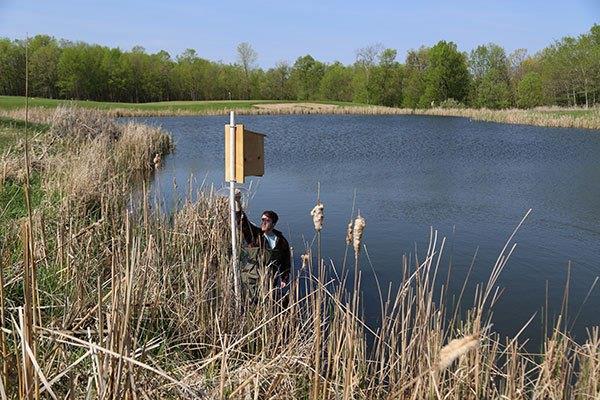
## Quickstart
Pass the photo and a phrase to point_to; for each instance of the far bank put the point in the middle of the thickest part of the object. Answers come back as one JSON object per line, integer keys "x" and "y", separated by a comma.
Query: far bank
{"x": 12, "y": 106}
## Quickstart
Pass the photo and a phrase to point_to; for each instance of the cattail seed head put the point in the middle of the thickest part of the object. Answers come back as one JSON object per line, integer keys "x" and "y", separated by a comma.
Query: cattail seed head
{"x": 455, "y": 349}
{"x": 157, "y": 161}
{"x": 359, "y": 227}
{"x": 317, "y": 215}
{"x": 305, "y": 259}
{"x": 349, "y": 235}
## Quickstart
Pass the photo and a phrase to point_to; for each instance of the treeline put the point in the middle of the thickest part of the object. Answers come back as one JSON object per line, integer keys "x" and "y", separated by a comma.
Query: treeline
{"x": 566, "y": 73}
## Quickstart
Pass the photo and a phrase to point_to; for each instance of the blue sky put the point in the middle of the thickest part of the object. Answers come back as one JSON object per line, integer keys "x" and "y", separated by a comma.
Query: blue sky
{"x": 278, "y": 30}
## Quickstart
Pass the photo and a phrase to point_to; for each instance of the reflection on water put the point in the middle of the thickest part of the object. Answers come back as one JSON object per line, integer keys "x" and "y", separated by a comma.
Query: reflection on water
{"x": 473, "y": 181}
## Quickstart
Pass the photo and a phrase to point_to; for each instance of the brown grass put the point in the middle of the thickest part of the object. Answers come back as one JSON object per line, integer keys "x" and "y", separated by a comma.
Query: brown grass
{"x": 96, "y": 153}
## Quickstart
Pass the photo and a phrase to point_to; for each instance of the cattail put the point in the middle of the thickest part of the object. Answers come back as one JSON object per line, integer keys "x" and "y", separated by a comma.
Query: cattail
{"x": 349, "y": 235}
{"x": 359, "y": 227}
{"x": 317, "y": 215}
{"x": 455, "y": 349}
{"x": 157, "y": 161}
{"x": 305, "y": 258}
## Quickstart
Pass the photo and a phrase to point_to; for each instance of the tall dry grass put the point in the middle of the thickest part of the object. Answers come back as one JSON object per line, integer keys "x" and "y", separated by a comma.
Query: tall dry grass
{"x": 97, "y": 156}
{"x": 139, "y": 304}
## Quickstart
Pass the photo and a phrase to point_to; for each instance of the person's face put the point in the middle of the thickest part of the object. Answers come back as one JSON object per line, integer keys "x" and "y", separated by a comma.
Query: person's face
{"x": 266, "y": 223}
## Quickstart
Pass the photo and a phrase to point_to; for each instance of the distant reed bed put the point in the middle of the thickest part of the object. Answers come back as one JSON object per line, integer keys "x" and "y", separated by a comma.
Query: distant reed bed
{"x": 125, "y": 301}
{"x": 548, "y": 117}
{"x": 542, "y": 116}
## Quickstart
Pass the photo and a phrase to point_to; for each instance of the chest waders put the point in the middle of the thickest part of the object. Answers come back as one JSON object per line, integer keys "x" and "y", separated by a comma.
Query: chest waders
{"x": 257, "y": 266}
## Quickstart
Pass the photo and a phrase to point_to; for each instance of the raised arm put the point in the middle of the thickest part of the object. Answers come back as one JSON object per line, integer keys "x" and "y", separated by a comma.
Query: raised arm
{"x": 250, "y": 232}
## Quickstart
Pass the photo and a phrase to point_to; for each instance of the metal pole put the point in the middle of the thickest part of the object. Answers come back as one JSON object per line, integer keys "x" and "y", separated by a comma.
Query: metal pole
{"x": 234, "y": 257}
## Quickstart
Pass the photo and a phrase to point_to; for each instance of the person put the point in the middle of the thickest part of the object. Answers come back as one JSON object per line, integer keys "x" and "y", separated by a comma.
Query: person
{"x": 264, "y": 250}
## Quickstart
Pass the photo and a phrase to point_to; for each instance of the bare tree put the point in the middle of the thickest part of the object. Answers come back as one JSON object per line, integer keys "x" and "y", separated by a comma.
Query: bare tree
{"x": 366, "y": 56}
{"x": 516, "y": 59}
{"x": 247, "y": 56}
{"x": 365, "y": 59}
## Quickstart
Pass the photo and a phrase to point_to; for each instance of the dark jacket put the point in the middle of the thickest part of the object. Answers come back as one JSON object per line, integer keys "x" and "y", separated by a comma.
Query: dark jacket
{"x": 253, "y": 237}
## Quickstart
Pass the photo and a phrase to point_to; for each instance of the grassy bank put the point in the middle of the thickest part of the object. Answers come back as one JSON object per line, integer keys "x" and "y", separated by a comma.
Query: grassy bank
{"x": 161, "y": 108}
{"x": 12, "y": 130}
{"x": 12, "y": 195}
{"x": 118, "y": 300}
{"x": 15, "y": 102}
{"x": 12, "y": 106}
{"x": 82, "y": 167}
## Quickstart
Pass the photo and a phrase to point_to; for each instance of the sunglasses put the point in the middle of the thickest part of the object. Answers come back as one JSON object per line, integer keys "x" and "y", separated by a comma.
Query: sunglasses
{"x": 266, "y": 219}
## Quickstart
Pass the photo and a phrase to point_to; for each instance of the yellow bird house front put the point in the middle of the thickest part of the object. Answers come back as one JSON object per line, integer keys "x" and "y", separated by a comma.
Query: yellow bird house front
{"x": 249, "y": 153}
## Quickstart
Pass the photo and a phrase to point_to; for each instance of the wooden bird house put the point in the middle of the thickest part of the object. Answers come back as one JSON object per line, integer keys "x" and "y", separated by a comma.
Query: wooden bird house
{"x": 249, "y": 153}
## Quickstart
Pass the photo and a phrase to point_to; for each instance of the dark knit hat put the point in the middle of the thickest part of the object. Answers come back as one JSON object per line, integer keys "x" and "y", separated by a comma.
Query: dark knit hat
{"x": 271, "y": 214}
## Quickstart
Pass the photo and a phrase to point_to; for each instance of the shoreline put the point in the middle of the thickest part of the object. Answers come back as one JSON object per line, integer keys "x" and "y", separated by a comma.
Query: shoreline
{"x": 545, "y": 117}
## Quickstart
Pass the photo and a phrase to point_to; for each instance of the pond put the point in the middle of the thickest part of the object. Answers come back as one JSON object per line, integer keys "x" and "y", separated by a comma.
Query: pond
{"x": 471, "y": 181}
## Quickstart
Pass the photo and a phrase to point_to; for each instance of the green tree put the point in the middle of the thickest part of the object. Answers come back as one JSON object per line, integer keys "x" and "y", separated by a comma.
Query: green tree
{"x": 12, "y": 67}
{"x": 529, "y": 91}
{"x": 446, "y": 75}
{"x": 231, "y": 80}
{"x": 119, "y": 75}
{"x": 492, "y": 92}
{"x": 585, "y": 53}
{"x": 414, "y": 77}
{"x": 595, "y": 61}
{"x": 138, "y": 63}
{"x": 336, "y": 83}
{"x": 44, "y": 54}
{"x": 306, "y": 75}
{"x": 569, "y": 69}
{"x": 185, "y": 79}
{"x": 555, "y": 76}
{"x": 490, "y": 71}
{"x": 258, "y": 80}
{"x": 80, "y": 73}
{"x": 385, "y": 87}
{"x": 277, "y": 82}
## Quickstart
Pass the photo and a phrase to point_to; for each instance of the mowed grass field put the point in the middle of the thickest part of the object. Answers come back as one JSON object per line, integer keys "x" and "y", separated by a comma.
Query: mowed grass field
{"x": 14, "y": 102}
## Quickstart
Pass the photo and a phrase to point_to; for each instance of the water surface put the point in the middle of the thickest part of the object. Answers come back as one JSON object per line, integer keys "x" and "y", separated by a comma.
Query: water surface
{"x": 472, "y": 181}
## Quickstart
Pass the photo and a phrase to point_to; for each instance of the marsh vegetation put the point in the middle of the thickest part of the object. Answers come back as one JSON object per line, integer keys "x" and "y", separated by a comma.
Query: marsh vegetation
{"x": 104, "y": 300}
